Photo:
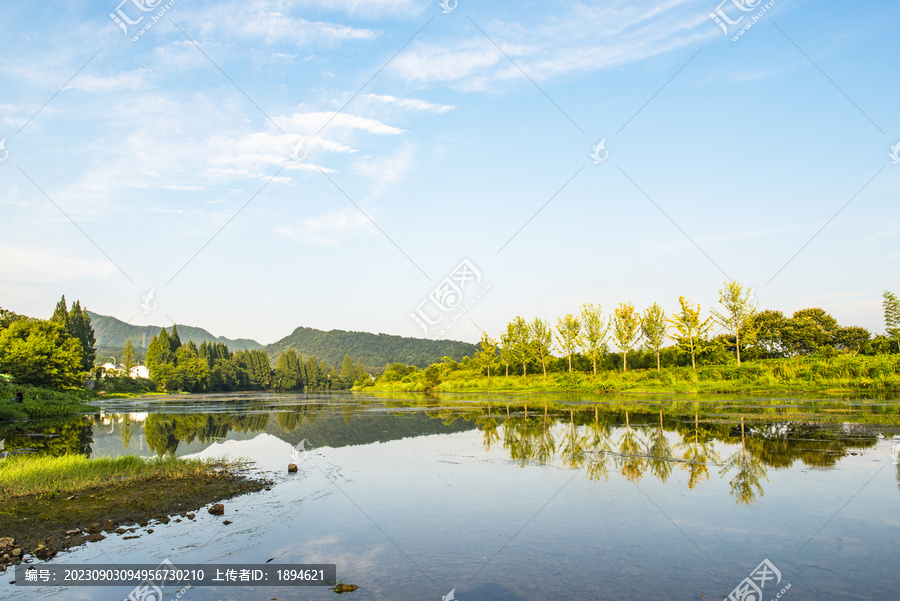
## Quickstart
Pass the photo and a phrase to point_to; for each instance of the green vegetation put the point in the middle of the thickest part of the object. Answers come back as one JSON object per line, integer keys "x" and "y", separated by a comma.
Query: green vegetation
{"x": 373, "y": 350}
{"x": 42, "y": 402}
{"x": 113, "y": 336}
{"x": 760, "y": 351}
{"x": 42, "y": 474}
{"x": 212, "y": 367}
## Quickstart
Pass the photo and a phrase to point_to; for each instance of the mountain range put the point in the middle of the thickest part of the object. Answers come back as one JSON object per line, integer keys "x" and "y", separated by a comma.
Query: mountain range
{"x": 373, "y": 350}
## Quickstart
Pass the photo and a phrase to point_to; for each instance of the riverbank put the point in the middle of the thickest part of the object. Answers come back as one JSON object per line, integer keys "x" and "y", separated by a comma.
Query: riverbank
{"x": 838, "y": 377}
{"x": 43, "y": 402}
{"x": 49, "y": 504}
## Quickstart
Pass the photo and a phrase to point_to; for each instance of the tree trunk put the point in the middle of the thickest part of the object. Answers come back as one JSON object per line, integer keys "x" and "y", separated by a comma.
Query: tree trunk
{"x": 595, "y": 366}
{"x": 657, "y": 360}
{"x": 624, "y": 361}
{"x": 570, "y": 362}
{"x": 737, "y": 345}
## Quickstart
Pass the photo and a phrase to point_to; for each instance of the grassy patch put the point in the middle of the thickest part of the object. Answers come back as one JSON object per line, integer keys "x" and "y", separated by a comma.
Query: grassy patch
{"x": 42, "y": 475}
{"x": 43, "y": 403}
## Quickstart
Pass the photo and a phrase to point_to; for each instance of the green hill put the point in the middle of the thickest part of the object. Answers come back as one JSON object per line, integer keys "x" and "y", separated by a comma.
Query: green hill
{"x": 111, "y": 335}
{"x": 373, "y": 350}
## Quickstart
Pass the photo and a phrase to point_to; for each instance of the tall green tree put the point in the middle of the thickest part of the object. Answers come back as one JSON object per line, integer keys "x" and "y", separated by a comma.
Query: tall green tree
{"x": 313, "y": 376}
{"x": 486, "y": 357}
{"x": 853, "y": 338}
{"x": 160, "y": 355}
{"x": 891, "y": 305}
{"x": 287, "y": 373}
{"x": 691, "y": 330}
{"x": 174, "y": 339}
{"x": 506, "y": 353}
{"x": 596, "y": 329}
{"x": 541, "y": 335}
{"x": 61, "y": 313}
{"x": 79, "y": 326}
{"x": 655, "y": 327}
{"x": 626, "y": 328}
{"x": 128, "y": 356}
{"x": 568, "y": 335}
{"x": 347, "y": 369}
{"x": 737, "y": 312}
{"x": 521, "y": 343}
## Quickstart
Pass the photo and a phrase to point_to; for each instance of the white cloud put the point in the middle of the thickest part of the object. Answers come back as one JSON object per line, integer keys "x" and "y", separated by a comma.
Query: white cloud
{"x": 268, "y": 21}
{"x": 130, "y": 80}
{"x": 42, "y": 264}
{"x": 411, "y": 103}
{"x": 313, "y": 122}
{"x": 583, "y": 39}
{"x": 386, "y": 171}
{"x": 326, "y": 228}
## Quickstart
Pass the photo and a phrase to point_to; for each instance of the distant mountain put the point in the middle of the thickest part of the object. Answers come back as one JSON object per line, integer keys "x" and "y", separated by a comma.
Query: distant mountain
{"x": 111, "y": 335}
{"x": 373, "y": 350}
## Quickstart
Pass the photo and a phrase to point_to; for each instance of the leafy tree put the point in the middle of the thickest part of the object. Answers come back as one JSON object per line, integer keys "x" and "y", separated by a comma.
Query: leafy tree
{"x": 506, "y": 354}
{"x": 61, "y": 313}
{"x": 347, "y": 369}
{"x": 486, "y": 357}
{"x": 891, "y": 306}
{"x": 159, "y": 354}
{"x": 808, "y": 330}
{"x": 7, "y": 317}
{"x": 521, "y": 342}
{"x": 79, "y": 327}
{"x": 654, "y": 327}
{"x": 313, "y": 375}
{"x": 568, "y": 335}
{"x": 191, "y": 373}
{"x": 40, "y": 353}
{"x": 128, "y": 356}
{"x": 541, "y": 335}
{"x": 737, "y": 311}
{"x": 691, "y": 331}
{"x": 174, "y": 339}
{"x": 626, "y": 327}
{"x": 593, "y": 341}
{"x": 769, "y": 327}
{"x": 853, "y": 338}
{"x": 287, "y": 373}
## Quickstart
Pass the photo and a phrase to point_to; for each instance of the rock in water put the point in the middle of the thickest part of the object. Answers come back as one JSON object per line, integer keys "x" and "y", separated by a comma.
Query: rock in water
{"x": 345, "y": 588}
{"x": 217, "y": 509}
{"x": 44, "y": 552}
{"x": 292, "y": 467}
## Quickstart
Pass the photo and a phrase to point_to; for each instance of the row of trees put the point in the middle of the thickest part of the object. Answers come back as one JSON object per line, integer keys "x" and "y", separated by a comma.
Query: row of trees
{"x": 213, "y": 367}
{"x": 745, "y": 332}
{"x": 57, "y": 353}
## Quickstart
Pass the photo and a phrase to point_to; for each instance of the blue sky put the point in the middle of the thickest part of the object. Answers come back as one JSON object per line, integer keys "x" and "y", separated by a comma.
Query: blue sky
{"x": 431, "y": 138}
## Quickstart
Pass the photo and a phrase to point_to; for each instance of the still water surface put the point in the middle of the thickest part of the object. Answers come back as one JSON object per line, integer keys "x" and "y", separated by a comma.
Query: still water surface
{"x": 517, "y": 498}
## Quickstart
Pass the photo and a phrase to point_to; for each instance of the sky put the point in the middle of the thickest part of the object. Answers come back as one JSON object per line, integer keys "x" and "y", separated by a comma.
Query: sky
{"x": 434, "y": 170}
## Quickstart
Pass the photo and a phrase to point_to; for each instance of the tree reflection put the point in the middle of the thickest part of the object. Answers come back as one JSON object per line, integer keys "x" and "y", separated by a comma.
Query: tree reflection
{"x": 601, "y": 445}
{"x": 698, "y": 452}
{"x": 631, "y": 460}
{"x": 745, "y": 484}
{"x": 660, "y": 451}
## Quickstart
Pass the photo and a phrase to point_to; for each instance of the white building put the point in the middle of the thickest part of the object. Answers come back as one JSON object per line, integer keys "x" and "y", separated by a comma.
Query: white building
{"x": 139, "y": 371}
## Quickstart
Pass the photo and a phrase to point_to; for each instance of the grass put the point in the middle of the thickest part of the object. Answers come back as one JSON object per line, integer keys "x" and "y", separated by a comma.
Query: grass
{"x": 841, "y": 375}
{"x": 43, "y": 403}
{"x": 69, "y": 474}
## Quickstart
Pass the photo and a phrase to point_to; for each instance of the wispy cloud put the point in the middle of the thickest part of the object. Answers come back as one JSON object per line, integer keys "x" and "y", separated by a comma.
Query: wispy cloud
{"x": 327, "y": 228}
{"x": 42, "y": 264}
{"x": 410, "y": 103}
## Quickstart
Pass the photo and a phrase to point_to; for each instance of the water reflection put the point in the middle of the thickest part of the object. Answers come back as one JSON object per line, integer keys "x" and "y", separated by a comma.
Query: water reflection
{"x": 634, "y": 440}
